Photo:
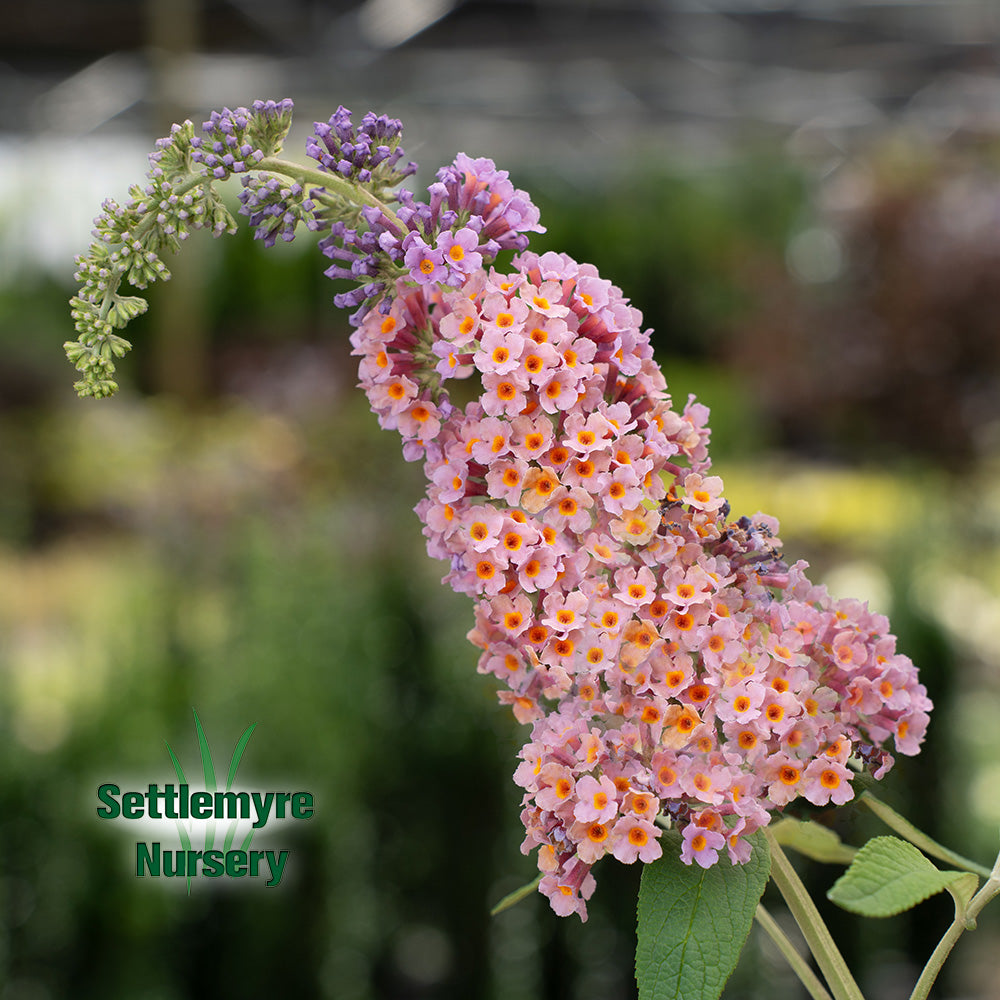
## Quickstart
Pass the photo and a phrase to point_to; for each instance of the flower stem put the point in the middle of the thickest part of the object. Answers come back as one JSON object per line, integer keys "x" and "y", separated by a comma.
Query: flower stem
{"x": 145, "y": 224}
{"x": 516, "y": 896}
{"x": 802, "y": 908}
{"x": 799, "y": 965}
{"x": 918, "y": 838}
{"x": 965, "y": 919}
{"x": 320, "y": 178}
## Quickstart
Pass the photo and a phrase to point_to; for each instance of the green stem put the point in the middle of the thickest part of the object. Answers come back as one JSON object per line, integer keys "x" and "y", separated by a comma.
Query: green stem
{"x": 965, "y": 919}
{"x": 331, "y": 182}
{"x": 918, "y": 838}
{"x": 144, "y": 226}
{"x": 516, "y": 896}
{"x": 799, "y": 965}
{"x": 817, "y": 936}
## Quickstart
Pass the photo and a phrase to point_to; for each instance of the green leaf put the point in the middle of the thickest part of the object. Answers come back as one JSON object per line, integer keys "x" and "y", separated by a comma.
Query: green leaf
{"x": 962, "y": 890}
{"x": 889, "y": 876}
{"x": 693, "y": 921}
{"x": 813, "y": 840}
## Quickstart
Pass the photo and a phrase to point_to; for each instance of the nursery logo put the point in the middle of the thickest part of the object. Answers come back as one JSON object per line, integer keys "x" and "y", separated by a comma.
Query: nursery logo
{"x": 187, "y": 823}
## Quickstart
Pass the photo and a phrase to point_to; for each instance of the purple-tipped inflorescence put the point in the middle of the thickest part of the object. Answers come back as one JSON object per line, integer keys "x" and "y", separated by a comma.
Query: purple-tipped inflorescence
{"x": 367, "y": 154}
{"x": 472, "y": 213}
{"x": 236, "y": 141}
{"x": 275, "y": 209}
{"x": 269, "y": 125}
{"x": 358, "y": 257}
{"x": 476, "y": 189}
{"x": 226, "y": 149}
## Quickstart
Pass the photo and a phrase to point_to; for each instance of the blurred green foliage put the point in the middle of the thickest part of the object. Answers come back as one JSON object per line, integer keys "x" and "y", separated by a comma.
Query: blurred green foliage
{"x": 676, "y": 240}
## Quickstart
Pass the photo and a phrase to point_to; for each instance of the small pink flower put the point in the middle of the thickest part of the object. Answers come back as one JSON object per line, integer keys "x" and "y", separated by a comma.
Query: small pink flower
{"x": 502, "y": 316}
{"x": 499, "y": 352}
{"x": 544, "y": 299}
{"x": 635, "y": 839}
{"x": 513, "y": 614}
{"x": 425, "y": 263}
{"x": 784, "y": 777}
{"x": 563, "y": 612}
{"x": 560, "y": 392}
{"x": 421, "y": 420}
{"x": 741, "y": 703}
{"x": 909, "y": 732}
{"x": 503, "y": 394}
{"x": 460, "y": 252}
{"x": 635, "y": 588}
{"x": 596, "y": 800}
{"x": 738, "y": 847}
{"x": 701, "y": 845}
{"x": 538, "y": 570}
{"x": 505, "y": 480}
{"x": 460, "y": 325}
{"x": 703, "y": 492}
{"x": 585, "y": 434}
{"x": 562, "y": 898}
{"x": 827, "y": 781}
{"x": 454, "y": 362}
{"x": 557, "y": 787}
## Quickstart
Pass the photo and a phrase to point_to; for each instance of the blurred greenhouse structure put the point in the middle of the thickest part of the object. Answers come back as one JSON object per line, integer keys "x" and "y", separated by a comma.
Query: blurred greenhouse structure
{"x": 802, "y": 197}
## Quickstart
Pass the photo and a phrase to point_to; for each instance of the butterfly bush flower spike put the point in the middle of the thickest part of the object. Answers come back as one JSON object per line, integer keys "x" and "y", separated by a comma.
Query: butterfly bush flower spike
{"x": 673, "y": 669}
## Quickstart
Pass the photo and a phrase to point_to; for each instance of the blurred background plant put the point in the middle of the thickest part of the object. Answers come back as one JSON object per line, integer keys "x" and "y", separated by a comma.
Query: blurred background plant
{"x": 803, "y": 199}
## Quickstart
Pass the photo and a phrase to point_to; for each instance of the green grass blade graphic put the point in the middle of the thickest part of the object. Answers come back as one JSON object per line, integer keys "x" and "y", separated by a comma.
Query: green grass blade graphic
{"x": 211, "y": 785}
{"x": 177, "y": 765}
{"x": 208, "y": 769}
{"x": 234, "y": 764}
{"x": 238, "y": 755}
{"x": 206, "y": 755}
{"x": 185, "y": 839}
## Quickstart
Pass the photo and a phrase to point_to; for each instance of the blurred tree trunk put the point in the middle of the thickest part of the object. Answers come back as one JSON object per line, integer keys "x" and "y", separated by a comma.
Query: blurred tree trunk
{"x": 180, "y": 332}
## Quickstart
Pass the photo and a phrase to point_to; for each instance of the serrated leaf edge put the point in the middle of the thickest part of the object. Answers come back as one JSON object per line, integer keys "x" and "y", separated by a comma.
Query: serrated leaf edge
{"x": 863, "y": 863}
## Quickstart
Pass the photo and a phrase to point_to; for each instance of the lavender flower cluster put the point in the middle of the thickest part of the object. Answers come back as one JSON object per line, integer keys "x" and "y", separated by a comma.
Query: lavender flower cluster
{"x": 275, "y": 209}
{"x": 366, "y": 154}
{"x": 236, "y": 141}
{"x": 472, "y": 213}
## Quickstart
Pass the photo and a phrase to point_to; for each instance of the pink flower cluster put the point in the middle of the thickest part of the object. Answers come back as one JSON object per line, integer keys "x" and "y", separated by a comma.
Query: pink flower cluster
{"x": 674, "y": 670}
